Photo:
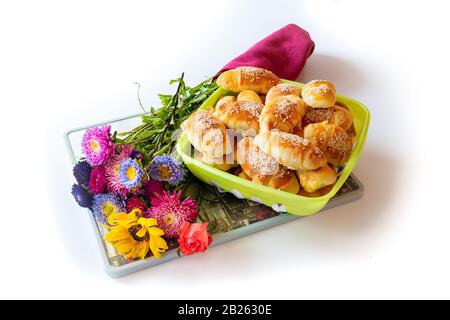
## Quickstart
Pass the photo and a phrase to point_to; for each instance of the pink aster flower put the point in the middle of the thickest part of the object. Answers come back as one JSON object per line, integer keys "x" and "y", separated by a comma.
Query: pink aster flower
{"x": 152, "y": 188}
{"x": 97, "y": 181}
{"x": 126, "y": 149}
{"x": 171, "y": 212}
{"x": 97, "y": 145}
{"x": 112, "y": 168}
{"x": 135, "y": 203}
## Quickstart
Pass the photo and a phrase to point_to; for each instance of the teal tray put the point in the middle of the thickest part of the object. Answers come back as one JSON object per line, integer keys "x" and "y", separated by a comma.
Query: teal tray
{"x": 116, "y": 266}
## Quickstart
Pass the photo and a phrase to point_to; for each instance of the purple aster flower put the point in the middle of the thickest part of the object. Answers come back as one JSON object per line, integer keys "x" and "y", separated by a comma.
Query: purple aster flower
{"x": 137, "y": 155}
{"x": 113, "y": 170}
{"x": 130, "y": 173}
{"x": 97, "y": 145}
{"x": 82, "y": 196}
{"x": 106, "y": 204}
{"x": 166, "y": 168}
{"x": 82, "y": 173}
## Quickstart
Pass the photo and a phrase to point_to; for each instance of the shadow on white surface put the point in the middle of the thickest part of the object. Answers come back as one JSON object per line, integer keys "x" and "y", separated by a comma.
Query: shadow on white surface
{"x": 347, "y": 77}
{"x": 71, "y": 222}
{"x": 350, "y": 223}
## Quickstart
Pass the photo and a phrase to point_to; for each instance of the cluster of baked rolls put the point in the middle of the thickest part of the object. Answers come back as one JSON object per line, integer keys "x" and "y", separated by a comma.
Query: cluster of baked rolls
{"x": 274, "y": 133}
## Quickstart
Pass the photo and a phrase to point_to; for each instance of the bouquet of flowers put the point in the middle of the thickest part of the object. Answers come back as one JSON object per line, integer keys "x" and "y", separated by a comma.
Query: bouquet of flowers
{"x": 133, "y": 183}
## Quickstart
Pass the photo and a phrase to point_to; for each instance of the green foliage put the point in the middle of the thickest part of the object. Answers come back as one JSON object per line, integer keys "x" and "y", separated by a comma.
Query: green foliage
{"x": 154, "y": 136}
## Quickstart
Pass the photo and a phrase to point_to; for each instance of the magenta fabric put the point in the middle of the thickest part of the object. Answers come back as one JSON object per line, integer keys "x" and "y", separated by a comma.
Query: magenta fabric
{"x": 284, "y": 52}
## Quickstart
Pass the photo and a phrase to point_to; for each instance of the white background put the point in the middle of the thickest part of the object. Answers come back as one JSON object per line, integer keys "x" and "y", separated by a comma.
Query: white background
{"x": 65, "y": 64}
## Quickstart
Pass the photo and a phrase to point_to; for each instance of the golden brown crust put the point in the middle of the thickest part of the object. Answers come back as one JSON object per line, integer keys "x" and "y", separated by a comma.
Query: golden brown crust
{"x": 342, "y": 117}
{"x": 290, "y": 150}
{"x": 262, "y": 169}
{"x": 319, "y": 94}
{"x": 283, "y": 89}
{"x": 315, "y": 194}
{"x": 254, "y": 162}
{"x": 334, "y": 141}
{"x": 223, "y": 104}
{"x": 280, "y": 179}
{"x": 207, "y": 133}
{"x": 284, "y": 180}
{"x": 242, "y": 116}
{"x": 336, "y": 115}
{"x": 292, "y": 186}
{"x": 249, "y": 95}
{"x": 282, "y": 113}
{"x": 260, "y": 79}
{"x": 317, "y": 179}
{"x": 229, "y": 80}
{"x": 247, "y": 78}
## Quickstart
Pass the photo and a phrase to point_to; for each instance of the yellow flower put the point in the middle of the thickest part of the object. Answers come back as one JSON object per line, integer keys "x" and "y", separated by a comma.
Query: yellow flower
{"x": 134, "y": 236}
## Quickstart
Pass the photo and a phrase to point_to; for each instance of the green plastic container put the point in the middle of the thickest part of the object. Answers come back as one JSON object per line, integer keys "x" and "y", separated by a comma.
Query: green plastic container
{"x": 277, "y": 199}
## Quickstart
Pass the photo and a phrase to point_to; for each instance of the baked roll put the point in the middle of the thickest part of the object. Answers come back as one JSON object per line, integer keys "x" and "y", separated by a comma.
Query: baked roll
{"x": 336, "y": 115}
{"x": 253, "y": 161}
{"x": 282, "y": 113}
{"x": 290, "y": 150}
{"x": 207, "y": 134}
{"x": 319, "y": 94}
{"x": 262, "y": 169}
{"x": 334, "y": 141}
{"x": 249, "y": 95}
{"x": 283, "y": 89}
{"x": 315, "y": 194}
{"x": 298, "y": 130}
{"x": 247, "y": 78}
{"x": 224, "y": 163}
{"x": 243, "y": 116}
{"x": 284, "y": 180}
{"x": 314, "y": 180}
{"x": 223, "y": 105}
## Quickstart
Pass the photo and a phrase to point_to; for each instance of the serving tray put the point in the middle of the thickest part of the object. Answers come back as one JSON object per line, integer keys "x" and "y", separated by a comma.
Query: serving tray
{"x": 230, "y": 217}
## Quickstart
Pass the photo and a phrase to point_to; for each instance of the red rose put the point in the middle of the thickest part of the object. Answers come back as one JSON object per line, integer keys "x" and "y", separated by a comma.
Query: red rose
{"x": 194, "y": 238}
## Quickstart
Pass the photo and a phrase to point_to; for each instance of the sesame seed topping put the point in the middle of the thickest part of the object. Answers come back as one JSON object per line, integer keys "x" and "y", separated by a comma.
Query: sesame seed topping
{"x": 293, "y": 139}
{"x": 284, "y": 108}
{"x": 261, "y": 163}
{"x": 253, "y": 72}
{"x": 252, "y": 108}
{"x": 205, "y": 120}
{"x": 286, "y": 88}
{"x": 314, "y": 115}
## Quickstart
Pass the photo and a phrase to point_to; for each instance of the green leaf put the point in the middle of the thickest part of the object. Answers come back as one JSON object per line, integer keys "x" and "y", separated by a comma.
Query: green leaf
{"x": 153, "y": 136}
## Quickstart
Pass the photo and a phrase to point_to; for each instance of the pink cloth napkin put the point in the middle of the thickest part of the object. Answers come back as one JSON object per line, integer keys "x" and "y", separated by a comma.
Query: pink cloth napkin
{"x": 284, "y": 52}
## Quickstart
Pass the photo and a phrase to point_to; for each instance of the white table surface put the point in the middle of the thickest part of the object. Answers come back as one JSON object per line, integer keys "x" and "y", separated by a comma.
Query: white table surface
{"x": 67, "y": 64}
